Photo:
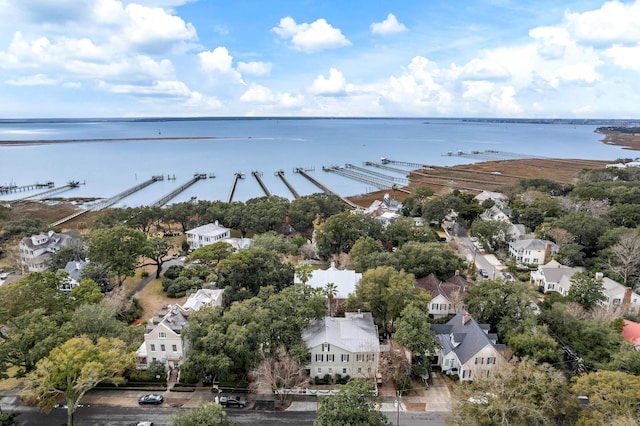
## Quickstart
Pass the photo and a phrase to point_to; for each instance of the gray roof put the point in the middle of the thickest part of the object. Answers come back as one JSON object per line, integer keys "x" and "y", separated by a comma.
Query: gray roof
{"x": 553, "y": 271}
{"x": 471, "y": 336}
{"x": 74, "y": 268}
{"x": 531, "y": 244}
{"x": 354, "y": 333}
{"x": 175, "y": 318}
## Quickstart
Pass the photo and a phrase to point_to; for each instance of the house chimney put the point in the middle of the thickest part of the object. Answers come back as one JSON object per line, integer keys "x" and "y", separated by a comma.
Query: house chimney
{"x": 599, "y": 276}
{"x": 547, "y": 252}
{"x": 626, "y": 300}
{"x": 465, "y": 318}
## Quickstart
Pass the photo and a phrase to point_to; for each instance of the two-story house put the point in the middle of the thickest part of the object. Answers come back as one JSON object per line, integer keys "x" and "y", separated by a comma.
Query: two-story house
{"x": 554, "y": 276}
{"x": 35, "y": 251}
{"x": 346, "y": 346}
{"x": 207, "y": 234}
{"x": 467, "y": 348}
{"x": 532, "y": 251}
{"x": 164, "y": 341}
{"x": 446, "y": 296}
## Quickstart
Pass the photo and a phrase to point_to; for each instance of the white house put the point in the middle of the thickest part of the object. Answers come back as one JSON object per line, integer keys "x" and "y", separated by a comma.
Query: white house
{"x": 446, "y": 296}
{"x": 74, "y": 271}
{"x": 554, "y": 276}
{"x": 618, "y": 294}
{"x": 164, "y": 341}
{"x": 35, "y": 251}
{"x": 346, "y": 346}
{"x": 532, "y": 251}
{"x": 467, "y": 348}
{"x": 387, "y": 210}
{"x": 345, "y": 280}
{"x": 496, "y": 213}
{"x": 497, "y": 197}
{"x": 207, "y": 234}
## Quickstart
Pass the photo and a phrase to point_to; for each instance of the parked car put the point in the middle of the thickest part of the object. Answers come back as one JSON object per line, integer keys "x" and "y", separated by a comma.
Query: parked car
{"x": 232, "y": 401}
{"x": 151, "y": 399}
{"x": 508, "y": 276}
{"x": 141, "y": 424}
{"x": 483, "y": 273}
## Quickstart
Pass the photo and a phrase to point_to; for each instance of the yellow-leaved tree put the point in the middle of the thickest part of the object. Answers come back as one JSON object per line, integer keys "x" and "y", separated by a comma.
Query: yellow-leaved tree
{"x": 74, "y": 368}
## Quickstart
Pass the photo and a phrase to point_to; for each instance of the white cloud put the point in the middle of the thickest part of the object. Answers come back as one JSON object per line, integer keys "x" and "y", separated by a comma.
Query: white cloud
{"x": 483, "y": 69}
{"x": 217, "y": 59}
{"x": 614, "y": 22}
{"x": 254, "y": 68}
{"x": 388, "y": 26}
{"x": 551, "y": 42}
{"x": 624, "y": 57}
{"x": 33, "y": 80}
{"x": 319, "y": 35}
{"x": 172, "y": 89}
{"x": 335, "y": 85}
{"x": 257, "y": 94}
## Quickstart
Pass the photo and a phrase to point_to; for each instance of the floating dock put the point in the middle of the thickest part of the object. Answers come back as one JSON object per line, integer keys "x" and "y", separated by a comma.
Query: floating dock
{"x": 324, "y": 188}
{"x": 237, "y": 177}
{"x": 164, "y": 200}
{"x": 258, "y": 175}
{"x": 280, "y": 174}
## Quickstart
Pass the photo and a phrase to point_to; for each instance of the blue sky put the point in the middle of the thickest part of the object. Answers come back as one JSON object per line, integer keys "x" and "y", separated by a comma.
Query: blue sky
{"x": 436, "y": 58}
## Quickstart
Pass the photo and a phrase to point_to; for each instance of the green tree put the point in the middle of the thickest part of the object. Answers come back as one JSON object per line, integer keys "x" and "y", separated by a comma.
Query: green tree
{"x": 413, "y": 330}
{"x": 519, "y": 393}
{"x": 538, "y": 346}
{"x": 412, "y": 205}
{"x": 74, "y": 368}
{"x": 95, "y": 321}
{"x": 210, "y": 414}
{"x": 586, "y": 290}
{"x": 504, "y": 305}
{"x": 87, "y": 291}
{"x": 118, "y": 249}
{"x": 571, "y": 254}
{"x": 275, "y": 242}
{"x": 613, "y": 397}
{"x": 492, "y": 233}
{"x": 180, "y": 213}
{"x": 585, "y": 227}
{"x": 387, "y": 292}
{"x": 98, "y": 273}
{"x": 422, "y": 259}
{"x": 304, "y": 271}
{"x": 341, "y": 231}
{"x": 363, "y": 251}
{"x": 157, "y": 250}
{"x": 402, "y": 231}
{"x": 29, "y": 337}
{"x": 354, "y": 404}
{"x": 38, "y": 290}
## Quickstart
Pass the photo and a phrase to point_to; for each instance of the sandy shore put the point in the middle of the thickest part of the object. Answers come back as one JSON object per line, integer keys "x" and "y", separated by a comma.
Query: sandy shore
{"x": 630, "y": 141}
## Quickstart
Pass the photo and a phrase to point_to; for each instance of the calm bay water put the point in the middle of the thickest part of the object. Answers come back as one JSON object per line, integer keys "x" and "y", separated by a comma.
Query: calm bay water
{"x": 264, "y": 145}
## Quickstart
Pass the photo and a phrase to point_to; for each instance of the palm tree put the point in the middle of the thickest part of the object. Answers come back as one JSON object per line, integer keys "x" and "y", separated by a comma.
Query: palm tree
{"x": 330, "y": 290}
{"x": 304, "y": 272}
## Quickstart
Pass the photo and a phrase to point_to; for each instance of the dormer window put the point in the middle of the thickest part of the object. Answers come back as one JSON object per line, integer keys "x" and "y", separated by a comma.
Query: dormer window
{"x": 326, "y": 347}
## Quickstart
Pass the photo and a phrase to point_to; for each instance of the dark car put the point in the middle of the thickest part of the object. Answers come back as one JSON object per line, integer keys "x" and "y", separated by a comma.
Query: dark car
{"x": 232, "y": 401}
{"x": 151, "y": 399}
{"x": 508, "y": 276}
{"x": 484, "y": 273}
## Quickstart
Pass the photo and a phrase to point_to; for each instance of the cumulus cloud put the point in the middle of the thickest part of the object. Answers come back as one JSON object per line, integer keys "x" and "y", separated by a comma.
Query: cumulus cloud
{"x": 254, "y": 68}
{"x": 257, "y": 93}
{"x": 335, "y": 85}
{"x": 624, "y": 57}
{"x": 388, "y": 26}
{"x": 483, "y": 69}
{"x": 166, "y": 89}
{"x": 319, "y": 35}
{"x": 614, "y": 22}
{"x": 551, "y": 42}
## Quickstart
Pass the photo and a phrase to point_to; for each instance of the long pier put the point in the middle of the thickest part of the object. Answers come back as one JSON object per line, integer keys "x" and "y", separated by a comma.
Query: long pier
{"x": 280, "y": 174}
{"x": 324, "y": 188}
{"x": 378, "y": 174}
{"x": 384, "y": 160}
{"x": 164, "y": 200}
{"x": 361, "y": 177}
{"x": 237, "y": 177}
{"x": 70, "y": 185}
{"x": 8, "y": 189}
{"x": 258, "y": 175}
{"x": 111, "y": 201}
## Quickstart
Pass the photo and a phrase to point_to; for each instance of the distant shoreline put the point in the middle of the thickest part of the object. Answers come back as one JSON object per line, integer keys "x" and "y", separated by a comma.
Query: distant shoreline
{"x": 626, "y": 140}
{"x": 28, "y": 142}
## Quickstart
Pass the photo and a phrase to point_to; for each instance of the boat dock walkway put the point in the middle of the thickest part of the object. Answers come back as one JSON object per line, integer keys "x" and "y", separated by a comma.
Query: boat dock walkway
{"x": 258, "y": 175}
{"x": 385, "y": 184}
{"x": 164, "y": 200}
{"x": 111, "y": 201}
{"x": 378, "y": 174}
{"x": 324, "y": 188}
{"x": 237, "y": 177}
{"x": 8, "y": 189}
{"x": 280, "y": 174}
{"x": 70, "y": 185}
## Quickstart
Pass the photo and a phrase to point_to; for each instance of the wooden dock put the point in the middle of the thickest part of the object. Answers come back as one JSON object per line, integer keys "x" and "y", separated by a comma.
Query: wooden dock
{"x": 324, "y": 188}
{"x": 70, "y": 185}
{"x": 164, "y": 200}
{"x": 8, "y": 189}
{"x": 258, "y": 175}
{"x": 237, "y": 177}
{"x": 116, "y": 198}
{"x": 280, "y": 174}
